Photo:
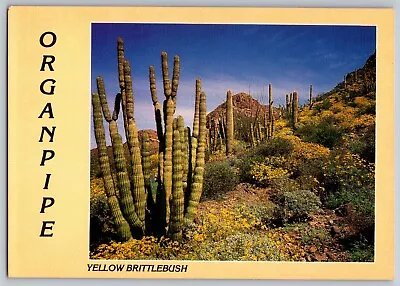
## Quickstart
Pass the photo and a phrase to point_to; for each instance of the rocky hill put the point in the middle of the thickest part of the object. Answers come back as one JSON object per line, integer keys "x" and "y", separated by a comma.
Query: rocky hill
{"x": 244, "y": 105}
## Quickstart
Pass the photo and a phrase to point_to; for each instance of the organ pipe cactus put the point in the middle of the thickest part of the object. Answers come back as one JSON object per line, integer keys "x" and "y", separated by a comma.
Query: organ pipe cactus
{"x": 181, "y": 156}
{"x": 270, "y": 111}
{"x": 295, "y": 107}
{"x": 229, "y": 123}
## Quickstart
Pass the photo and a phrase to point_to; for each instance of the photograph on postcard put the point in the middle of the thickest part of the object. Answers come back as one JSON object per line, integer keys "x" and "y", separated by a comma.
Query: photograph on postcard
{"x": 232, "y": 142}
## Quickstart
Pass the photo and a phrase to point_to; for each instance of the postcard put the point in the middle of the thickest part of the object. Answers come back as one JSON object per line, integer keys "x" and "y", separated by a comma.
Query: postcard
{"x": 223, "y": 143}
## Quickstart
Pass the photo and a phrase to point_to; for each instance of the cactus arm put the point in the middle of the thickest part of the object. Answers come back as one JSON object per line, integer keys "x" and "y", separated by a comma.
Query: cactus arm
{"x": 166, "y": 82}
{"x": 121, "y": 224}
{"x": 103, "y": 98}
{"x": 175, "y": 78}
{"x": 156, "y": 104}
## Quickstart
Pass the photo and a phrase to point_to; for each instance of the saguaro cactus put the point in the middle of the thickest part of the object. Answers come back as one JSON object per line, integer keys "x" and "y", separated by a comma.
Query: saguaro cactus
{"x": 229, "y": 123}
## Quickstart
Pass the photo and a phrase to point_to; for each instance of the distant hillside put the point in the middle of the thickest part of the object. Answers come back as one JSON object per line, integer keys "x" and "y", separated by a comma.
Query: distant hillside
{"x": 345, "y": 116}
{"x": 244, "y": 105}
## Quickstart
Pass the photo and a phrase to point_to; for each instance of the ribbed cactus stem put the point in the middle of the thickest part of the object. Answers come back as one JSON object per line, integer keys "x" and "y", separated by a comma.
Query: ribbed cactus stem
{"x": 146, "y": 164}
{"x": 197, "y": 185}
{"x": 295, "y": 107}
{"x": 156, "y": 104}
{"x": 177, "y": 200}
{"x": 121, "y": 59}
{"x": 103, "y": 98}
{"x": 120, "y": 222}
{"x": 175, "y": 78}
{"x": 121, "y": 78}
{"x": 270, "y": 109}
{"x": 166, "y": 81}
{"x": 168, "y": 153}
{"x": 310, "y": 100}
{"x": 184, "y": 133}
{"x": 252, "y": 139}
{"x": 260, "y": 132}
{"x": 196, "y": 109}
{"x": 229, "y": 123}
{"x": 128, "y": 90}
{"x": 124, "y": 186}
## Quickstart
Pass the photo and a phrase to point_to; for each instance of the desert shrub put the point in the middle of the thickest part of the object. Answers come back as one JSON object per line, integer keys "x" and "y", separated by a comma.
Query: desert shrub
{"x": 298, "y": 205}
{"x": 277, "y": 146}
{"x": 324, "y": 133}
{"x": 361, "y": 252}
{"x": 263, "y": 173}
{"x": 244, "y": 166}
{"x": 323, "y": 105}
{"x": 219, "y": 178}
{"x": 101, "y": 221}
{"x": 238, "y": 147}
{"x": 222, "y": 233}
{"x": 350, "y": 179}
{"x": 364, "y": 145}
{"x": 263, "y": 211}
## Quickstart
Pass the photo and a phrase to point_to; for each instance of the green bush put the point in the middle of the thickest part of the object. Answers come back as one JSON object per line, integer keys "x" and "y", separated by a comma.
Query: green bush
{"x": 274, "y": 147}
{"x": 324, "y": 133}
{"x": 244, "y": 165}
{"x": 298, "y": 205}
{"x": 219, "y": 178}
{"x": 101, "y": 221}
{"x": 361, "y": 252}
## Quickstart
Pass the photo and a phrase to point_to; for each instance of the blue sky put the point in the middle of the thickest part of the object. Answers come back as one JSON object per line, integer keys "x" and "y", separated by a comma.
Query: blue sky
{"x": 236, "y": 57}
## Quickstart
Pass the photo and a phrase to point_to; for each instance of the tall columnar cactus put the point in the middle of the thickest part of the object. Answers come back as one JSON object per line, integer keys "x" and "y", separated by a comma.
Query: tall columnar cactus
{"x": 287, "y": 106}
{"x": 310, "y": 100}
{"x": 295, "y": 107}
{"x": 252, "y": 138}
{"x": 120, "y": 222}
{"x": 134, "y": 211}
{"x": 198, "y": 174}
{"x": 177, "y": 200}
{"x": 229, "y": 123}
{"x": 345, "y": 81}
{"x": 270, "y": 110}
{"x": 123, "y": 183}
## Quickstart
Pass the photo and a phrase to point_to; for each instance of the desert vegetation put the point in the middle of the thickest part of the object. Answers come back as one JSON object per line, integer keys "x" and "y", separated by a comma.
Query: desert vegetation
{"x": 282, "y": 183}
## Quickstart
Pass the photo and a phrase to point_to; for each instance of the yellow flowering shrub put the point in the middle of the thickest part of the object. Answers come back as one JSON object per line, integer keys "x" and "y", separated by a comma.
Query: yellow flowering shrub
{"x": 265, "y": 173}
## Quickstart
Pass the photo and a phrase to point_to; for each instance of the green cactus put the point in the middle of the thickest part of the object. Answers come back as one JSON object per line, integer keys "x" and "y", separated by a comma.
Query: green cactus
{"x": 123, "y": 183}
{"x": 121, "y": 224}
{"x": 177, "y": 200}
{"x": 310, "y": 100}
{"x": 197, "y": 183}
{"x": 295, "y": 107}
{"x": 270, "y": 111}
{"x": 252, "y": 138}
{"x": 229, "y": 123}
{"x": 181, "y": 156}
